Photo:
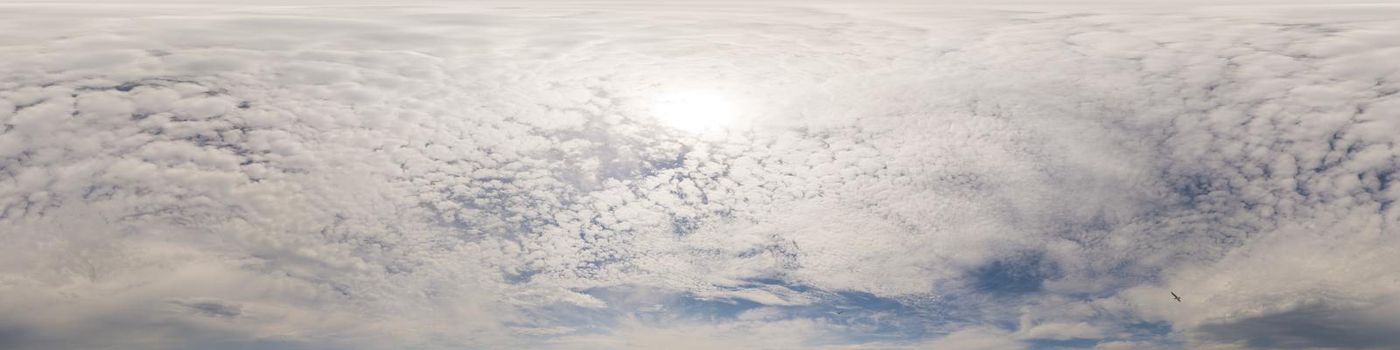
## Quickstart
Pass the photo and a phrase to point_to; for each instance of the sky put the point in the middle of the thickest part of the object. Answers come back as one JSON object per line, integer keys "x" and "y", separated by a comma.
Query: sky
{"x": 699, "y": 175}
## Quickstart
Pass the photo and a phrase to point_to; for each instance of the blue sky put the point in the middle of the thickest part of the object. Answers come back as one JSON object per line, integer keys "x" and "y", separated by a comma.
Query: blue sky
{"x": 699, "y": 175}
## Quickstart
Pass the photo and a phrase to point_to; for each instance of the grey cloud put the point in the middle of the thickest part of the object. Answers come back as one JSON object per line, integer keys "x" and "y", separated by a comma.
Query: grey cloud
{"x": 16, "y": 337}
{"x": 212, "y": 308}
{"x": 1325, "y": 325}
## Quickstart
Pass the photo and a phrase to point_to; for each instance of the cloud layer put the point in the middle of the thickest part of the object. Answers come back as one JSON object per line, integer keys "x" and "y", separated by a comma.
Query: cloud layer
{"x": 428, "y": 175}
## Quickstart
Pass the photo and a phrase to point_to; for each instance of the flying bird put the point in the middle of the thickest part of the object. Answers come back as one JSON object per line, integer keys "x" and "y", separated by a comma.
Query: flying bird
{"x": 1178, "y": 299}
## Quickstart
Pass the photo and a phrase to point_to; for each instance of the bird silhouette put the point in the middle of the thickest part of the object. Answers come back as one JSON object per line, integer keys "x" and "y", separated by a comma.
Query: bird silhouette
{"x": 1178, "y": 299}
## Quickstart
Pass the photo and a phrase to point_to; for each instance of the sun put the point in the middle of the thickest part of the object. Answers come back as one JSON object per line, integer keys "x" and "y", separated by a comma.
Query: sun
{"x": 694, "y": 111}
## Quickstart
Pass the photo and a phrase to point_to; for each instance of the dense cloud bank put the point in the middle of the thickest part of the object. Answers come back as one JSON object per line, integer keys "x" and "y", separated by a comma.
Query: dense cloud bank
{"x": 441, "y": 176}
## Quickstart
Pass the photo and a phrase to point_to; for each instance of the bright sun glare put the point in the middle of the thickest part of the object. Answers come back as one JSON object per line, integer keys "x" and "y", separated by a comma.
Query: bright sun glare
{"x": 694, "y": 111}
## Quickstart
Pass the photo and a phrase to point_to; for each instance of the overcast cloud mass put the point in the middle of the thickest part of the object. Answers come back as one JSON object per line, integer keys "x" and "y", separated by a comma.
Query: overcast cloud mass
{"x": 691, "y": 175}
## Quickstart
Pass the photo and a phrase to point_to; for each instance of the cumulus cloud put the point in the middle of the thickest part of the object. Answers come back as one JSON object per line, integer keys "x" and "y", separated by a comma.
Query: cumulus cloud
{"x": 433, "y": 175}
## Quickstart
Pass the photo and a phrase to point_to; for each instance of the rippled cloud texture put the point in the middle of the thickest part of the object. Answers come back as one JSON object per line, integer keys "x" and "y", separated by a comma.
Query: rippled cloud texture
{"x": 494, "y": 176}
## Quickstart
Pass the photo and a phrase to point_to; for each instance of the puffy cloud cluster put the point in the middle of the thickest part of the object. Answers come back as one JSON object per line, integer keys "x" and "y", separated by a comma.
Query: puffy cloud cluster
{"x": 433, "y": 175}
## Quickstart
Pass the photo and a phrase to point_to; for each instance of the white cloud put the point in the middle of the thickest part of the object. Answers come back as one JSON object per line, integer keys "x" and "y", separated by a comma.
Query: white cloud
{"x": 176, "y": 176}
{"x": 1061, "y": 331}
{"x": 638, "y": 334}
{"x": 976, "y": 339}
